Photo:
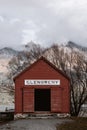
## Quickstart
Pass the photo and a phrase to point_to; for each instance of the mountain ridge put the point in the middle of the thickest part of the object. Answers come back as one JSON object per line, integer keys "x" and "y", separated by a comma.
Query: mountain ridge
{"x": 71, "y": 44}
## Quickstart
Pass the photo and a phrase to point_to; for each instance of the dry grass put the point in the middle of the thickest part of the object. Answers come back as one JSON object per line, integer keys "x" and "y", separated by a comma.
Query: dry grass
{"x": 76, "y": 124}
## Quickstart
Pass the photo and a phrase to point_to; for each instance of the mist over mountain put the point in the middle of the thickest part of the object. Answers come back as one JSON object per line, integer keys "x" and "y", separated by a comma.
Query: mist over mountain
{"x": 72, "y": 45}
{"x": 7, "y": 52}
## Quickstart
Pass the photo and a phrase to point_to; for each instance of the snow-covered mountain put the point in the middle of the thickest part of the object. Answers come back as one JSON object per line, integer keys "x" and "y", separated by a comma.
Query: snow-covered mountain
{"x": 8, "y": 52}
{"x": 71, "y": 44}
{"x": 5, "y": 56}
{"x": 29, "y": 46}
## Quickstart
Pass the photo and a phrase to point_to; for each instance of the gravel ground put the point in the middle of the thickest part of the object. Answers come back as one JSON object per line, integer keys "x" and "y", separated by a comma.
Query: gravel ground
{"x": 33, "y": 124}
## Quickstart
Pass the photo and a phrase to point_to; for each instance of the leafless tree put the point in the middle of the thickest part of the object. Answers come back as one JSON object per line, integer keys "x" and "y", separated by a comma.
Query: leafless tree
{"x": 58, "y": 57}
{"x": 78, "y": 82}
{"x": 74, "y": 64}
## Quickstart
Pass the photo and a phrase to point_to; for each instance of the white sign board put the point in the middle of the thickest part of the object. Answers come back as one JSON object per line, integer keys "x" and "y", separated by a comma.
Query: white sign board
{"x": 41, "y": 82}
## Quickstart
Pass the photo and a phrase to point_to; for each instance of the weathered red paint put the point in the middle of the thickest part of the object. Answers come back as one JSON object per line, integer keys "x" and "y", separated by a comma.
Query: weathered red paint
{"x": 42, "y": 69}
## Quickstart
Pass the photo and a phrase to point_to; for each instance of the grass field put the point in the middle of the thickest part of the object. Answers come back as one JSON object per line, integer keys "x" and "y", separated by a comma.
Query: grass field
{"x": 76, "y": 124}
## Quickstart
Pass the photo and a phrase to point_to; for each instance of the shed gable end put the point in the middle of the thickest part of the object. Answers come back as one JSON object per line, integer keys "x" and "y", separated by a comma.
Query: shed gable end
{"x": 41, "y": 66}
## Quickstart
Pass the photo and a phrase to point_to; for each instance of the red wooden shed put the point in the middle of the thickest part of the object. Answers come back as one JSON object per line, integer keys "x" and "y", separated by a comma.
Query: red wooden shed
{"x": 42, "y": 88}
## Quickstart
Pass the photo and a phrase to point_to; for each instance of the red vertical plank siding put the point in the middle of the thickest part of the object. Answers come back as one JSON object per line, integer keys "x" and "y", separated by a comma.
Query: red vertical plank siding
{"x": 56, "y": 100}
{"x": 28, "y": 100}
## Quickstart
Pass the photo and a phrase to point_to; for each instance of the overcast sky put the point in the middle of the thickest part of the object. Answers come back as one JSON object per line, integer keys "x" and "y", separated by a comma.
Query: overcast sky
{"x": 42, "y": 21}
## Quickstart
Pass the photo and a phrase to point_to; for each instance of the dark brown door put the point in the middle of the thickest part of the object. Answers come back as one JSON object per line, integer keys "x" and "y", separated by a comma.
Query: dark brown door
{"x": 42, "y": 100}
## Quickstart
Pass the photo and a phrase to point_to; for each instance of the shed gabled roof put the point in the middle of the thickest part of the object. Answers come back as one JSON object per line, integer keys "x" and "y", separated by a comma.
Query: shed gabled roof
{"x": 46, "y": 61}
